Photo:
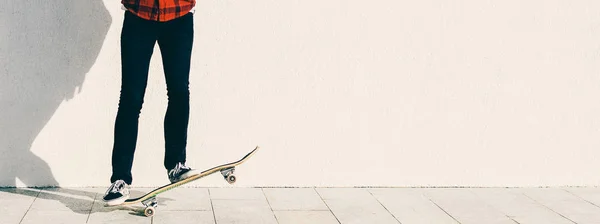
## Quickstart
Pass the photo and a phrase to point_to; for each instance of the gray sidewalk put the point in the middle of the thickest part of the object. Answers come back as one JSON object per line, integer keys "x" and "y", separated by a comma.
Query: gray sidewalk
{"x": 309, "y": 205}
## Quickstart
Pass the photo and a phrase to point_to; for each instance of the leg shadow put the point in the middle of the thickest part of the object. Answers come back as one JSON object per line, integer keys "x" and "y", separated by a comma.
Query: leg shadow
{"x": 46, "y": 50}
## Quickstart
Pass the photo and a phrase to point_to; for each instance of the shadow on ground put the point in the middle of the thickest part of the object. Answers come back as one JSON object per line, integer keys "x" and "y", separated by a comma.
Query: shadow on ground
{"x": 79, "y": 201}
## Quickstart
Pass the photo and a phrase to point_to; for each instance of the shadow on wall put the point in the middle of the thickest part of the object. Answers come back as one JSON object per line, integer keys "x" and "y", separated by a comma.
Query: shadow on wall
{"x": 47, "y": 48}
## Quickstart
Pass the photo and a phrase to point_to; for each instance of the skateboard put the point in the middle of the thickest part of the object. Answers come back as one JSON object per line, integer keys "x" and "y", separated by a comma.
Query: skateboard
{"x": 150, "y": 202}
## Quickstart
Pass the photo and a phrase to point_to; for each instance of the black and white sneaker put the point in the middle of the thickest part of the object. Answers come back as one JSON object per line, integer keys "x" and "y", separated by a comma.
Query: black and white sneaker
{"x": 180, "y": 172}
{"x": 117, "y": 193}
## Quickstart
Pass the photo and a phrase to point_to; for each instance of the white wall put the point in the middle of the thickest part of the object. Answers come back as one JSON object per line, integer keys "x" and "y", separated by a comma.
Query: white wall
{"x": 336, "y": 93}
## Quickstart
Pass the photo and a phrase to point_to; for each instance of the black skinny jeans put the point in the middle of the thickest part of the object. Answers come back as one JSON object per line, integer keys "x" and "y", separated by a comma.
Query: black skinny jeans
{"x": 138, "y": 38}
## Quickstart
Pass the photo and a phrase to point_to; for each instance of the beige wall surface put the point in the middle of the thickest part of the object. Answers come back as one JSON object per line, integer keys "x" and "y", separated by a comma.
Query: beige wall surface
{"x": 336, "y": 93}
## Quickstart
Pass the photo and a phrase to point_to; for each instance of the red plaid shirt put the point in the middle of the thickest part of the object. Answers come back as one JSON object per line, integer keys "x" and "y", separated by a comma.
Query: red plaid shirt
{"x": 159, "y": 10}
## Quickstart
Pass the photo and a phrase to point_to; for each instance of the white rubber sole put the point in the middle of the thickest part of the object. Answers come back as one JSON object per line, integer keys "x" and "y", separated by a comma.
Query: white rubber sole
{"x": 116, "y": 201}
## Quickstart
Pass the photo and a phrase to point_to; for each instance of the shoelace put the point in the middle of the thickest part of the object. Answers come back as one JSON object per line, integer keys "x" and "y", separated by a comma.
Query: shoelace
{"x": 116, "y": 187}
{"x": 178, "y": 168}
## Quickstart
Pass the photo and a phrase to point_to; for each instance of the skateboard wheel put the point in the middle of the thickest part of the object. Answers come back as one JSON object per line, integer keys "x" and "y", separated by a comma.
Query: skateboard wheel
{"x": 149, "y": 211}
{"x": 231, "y": 179}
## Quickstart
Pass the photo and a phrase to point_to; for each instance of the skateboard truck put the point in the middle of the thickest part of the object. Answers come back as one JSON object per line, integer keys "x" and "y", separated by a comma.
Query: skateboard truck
{"x": 151, "y": 204}
{"x": 228, "y": 175}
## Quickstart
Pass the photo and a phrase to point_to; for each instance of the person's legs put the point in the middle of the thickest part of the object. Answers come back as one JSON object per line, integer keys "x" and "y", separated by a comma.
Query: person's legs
{"x": 175, "y": 42}
{"x": 138, "y": 37}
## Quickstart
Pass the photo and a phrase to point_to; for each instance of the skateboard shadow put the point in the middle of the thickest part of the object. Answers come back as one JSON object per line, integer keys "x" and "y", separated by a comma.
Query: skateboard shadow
{"x": 79, "y": 201}
{"x": 46, "y": 50}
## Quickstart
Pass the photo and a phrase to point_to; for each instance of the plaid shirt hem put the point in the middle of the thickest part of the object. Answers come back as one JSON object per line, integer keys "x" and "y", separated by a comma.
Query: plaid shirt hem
{"x": 159, "y": 10}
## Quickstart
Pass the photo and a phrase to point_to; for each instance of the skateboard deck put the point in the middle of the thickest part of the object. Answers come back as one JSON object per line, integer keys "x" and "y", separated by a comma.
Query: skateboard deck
{"x": 149, "y": 200}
